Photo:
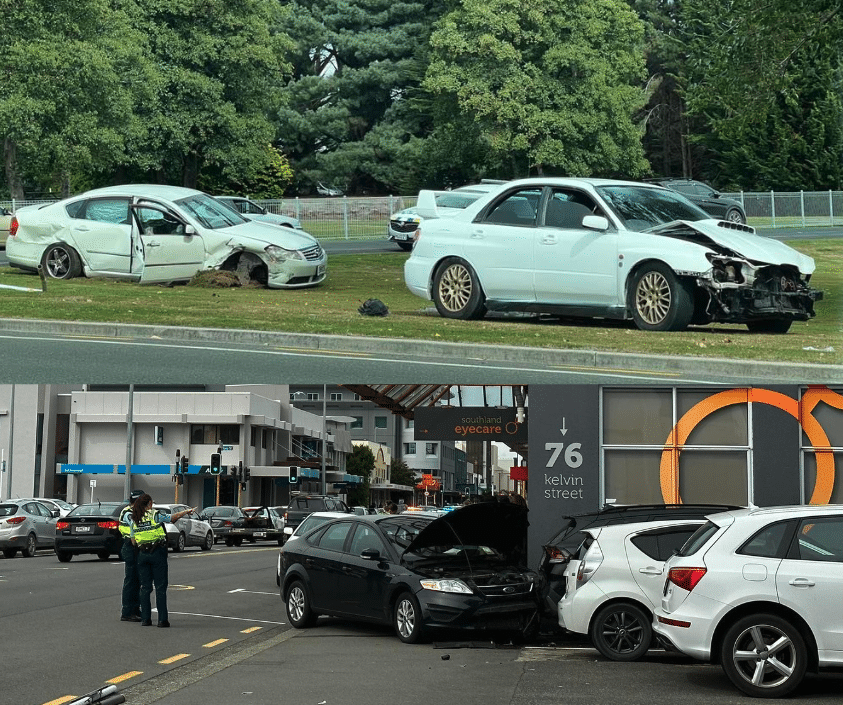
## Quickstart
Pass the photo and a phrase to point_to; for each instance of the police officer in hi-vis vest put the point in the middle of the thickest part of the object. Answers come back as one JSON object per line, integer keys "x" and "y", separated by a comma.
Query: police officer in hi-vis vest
{"x": 148, "y": 534}
{"x": 130, "y": 611}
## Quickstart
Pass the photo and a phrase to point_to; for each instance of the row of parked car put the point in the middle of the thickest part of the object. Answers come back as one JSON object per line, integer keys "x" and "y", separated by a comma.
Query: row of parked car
{"x": 754, "y": 589}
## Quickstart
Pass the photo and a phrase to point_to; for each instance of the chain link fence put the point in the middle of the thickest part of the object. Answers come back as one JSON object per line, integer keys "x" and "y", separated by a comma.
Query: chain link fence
{"x": 348, "y": 218}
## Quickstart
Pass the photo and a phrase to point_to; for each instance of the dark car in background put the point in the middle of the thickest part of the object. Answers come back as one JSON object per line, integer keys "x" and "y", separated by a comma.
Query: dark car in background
{"x": 707, "y": 198}
{"x": 265, "y": 523}
{"x": 26, "y": 525}
{"x": 90, "y": 528}
{"x": 419, "y": 573}
{"x": 223, "y": 520}
{"x": 301, "y": 505}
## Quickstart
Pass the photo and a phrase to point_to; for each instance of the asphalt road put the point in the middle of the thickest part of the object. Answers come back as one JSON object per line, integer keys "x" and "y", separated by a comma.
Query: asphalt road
{"x": 229, "y": 643}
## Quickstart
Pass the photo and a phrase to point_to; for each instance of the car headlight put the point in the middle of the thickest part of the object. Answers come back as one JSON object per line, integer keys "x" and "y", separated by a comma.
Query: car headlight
{"x": 446, "y": 586}
{"x": 279, "y": 254}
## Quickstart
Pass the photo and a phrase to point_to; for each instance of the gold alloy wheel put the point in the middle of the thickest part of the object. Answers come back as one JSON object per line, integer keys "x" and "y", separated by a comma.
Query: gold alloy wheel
{"x": 653, "y": 298}
{"x": 455, "y": 287}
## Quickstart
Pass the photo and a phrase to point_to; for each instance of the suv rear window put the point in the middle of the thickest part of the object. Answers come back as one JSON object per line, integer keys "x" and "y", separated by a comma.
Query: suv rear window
{"x": 699, "y": 538}
{"x": 661, "y": 544}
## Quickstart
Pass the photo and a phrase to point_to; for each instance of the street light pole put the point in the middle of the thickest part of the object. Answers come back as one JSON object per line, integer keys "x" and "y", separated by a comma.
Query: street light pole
{"x": 324, "y": 433}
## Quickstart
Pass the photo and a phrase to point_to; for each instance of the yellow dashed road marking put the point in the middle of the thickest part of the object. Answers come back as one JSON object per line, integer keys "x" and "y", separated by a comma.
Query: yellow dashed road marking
{"x": 212, "y": 644}
{"x": 125, "y": 677}
{"x": 59, "y": 701}
{"x": 173, "y": 659}
{"x": 250, "y": 630}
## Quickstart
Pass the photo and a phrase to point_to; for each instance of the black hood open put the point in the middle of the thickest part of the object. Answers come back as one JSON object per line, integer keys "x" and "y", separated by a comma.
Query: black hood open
{"x": 498, "y": 525}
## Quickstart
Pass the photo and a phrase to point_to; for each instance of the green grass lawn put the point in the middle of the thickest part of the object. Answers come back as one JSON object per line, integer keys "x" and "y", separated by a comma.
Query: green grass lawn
{"x": 332, "y": 309}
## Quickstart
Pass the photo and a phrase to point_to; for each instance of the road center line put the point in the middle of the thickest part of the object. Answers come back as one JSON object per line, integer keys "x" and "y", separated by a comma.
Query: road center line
{"x": 173, "y": 659}
{"x": 125, "y": 677}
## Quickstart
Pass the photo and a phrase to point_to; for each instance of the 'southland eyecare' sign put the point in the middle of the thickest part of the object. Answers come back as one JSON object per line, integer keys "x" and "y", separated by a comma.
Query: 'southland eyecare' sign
{"x": 468, "y": 423}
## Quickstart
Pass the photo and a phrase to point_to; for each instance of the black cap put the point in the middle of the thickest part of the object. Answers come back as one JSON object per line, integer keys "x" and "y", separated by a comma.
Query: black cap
{"x": 135, "y": 494}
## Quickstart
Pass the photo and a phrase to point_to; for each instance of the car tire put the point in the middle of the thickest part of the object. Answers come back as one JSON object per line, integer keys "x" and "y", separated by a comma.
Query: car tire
{"x": 64, "y": 556}
{"x": 776, "y": 326}
{"x": 229, "y": 542}
{"x": 406, "y": 246}
{"x": 103, "y": 555}
{"x": 238, "y": 542}
{"x": 621, "y": 632}
{"x": 747, "y": 661}
{"x": 28, "y": 551}
{"x": 10, "y": 552}
{"x": 407, "y": 619}
{"x": 281, "y": 541}
{"x": 61, "y": 261}
{"x": 209, "y": 542}
{"x": 733, "y": 215}
{"x": 457, "y": 292}
{"x": 660, "y": 301}
{"x": 180, "y": 543}
{"x": 299, "y": 611}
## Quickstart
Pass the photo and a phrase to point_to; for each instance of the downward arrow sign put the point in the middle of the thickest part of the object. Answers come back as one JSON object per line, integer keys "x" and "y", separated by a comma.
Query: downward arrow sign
{"x": 563, "y": 429}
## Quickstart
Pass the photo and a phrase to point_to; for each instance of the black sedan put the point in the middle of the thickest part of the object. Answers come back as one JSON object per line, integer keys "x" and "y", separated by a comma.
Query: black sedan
{"x": 418, "y": 572}
{"x": 224, "y": 520}
{"x": 90, "y": 528}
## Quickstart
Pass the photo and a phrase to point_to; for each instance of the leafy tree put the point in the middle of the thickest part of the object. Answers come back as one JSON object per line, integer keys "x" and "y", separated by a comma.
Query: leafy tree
{"x": 550, "y": 85}
{"x": 401, "y": 474}
{"x": 361, "y": 461}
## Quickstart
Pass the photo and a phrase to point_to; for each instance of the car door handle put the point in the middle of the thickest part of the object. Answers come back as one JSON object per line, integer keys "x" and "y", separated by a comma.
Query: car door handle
{"x": 346, "y": 570}
{"x": 549, "y": 240}
{"x": 478, "y": 235}
{"x": 650, "y": 571}
{"x": 81, "y": 228}
{"x": 802, "y": 582}
{"x": 153, "y": 244}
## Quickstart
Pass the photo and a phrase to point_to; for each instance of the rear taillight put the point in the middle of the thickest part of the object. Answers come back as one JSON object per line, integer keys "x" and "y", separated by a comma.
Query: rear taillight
{"x": 13, "y": 227}
{"x": 557, "y": 555}
{"x": 589, "y": 563}
{"x": 108, "y": 524}
{"x": 227, "y": 523}
{"x": 62, "y": 525}
{"x": 686, "y": 578}
{"x": 16, "y": 520}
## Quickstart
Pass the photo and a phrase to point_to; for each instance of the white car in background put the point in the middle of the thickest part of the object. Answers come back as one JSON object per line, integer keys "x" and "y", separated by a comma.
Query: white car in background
{"x": 254, "y": 211}
{"x": 159, "y": 234}
{"x": 189, "y": 530}
{"x": 603, "y": 248}
{"x": 5, "y": 223}
{"x": 614, "y": 582}
{"x": 60, "y": 505}
{"x": 759, "y": 591}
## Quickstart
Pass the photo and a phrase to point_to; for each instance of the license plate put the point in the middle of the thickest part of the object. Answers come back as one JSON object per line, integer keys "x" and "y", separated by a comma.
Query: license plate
{"x": 260, "y": 533}
{"x": 320, "y": 270}
{"x": 401, "y": 236}
{"x": 83, "y": 529}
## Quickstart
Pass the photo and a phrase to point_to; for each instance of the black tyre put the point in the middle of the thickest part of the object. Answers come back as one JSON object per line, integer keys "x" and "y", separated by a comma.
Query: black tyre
{"x": 180, "y": 543}
{"x": 238, "y": 542}
{"x": 457, "y": 292}
{"x": 775, "y": 326}
{"x": 660, "y": 301}
{"x": 621, "y": 632}
{"x": 229, "y": 542}
{"x": 103, "y": 555}
{"x": 208, "y": 543}
{"x": 764, "y": 656}
{"x": 406, "y": 246}
{"x": 64, "y": 556}
{"x": 407, "y": 619}
{"x": 28, "y": 550}
{"x": 299, "y": 611}
{"x": 280, "y": 540}
{"x": 60, "y": 261}
{"x": 10, "y": 552}
{"x": 733, "y": 215}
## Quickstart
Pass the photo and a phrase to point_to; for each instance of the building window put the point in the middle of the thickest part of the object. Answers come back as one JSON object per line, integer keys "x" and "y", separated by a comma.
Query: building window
{"x": 430, "y": 448}
{"x": 264, "y": 437}
{"x": 210, "y": 434}
{"x": 409, "y": 449}
{"x": 829, "y": 416}
{"x": 410, "y": 423}
{"x": 253, "y": 437}
{"x": 313, "y": 396}
{"x": 380, "y": 421}
{"x": 336, "y": 396}
{"x": 358, "y": 422}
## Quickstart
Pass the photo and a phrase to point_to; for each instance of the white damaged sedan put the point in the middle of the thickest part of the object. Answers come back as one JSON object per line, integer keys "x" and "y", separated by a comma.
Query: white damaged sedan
{"x": 605, "y": 249}
{"x": 159, "y": 234}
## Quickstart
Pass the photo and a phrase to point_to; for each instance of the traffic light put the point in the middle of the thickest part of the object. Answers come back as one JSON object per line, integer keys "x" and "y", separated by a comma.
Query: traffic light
{"x": 216, "y": 463}
{"x": 294, "y": 475}
{"x": 243, "y": 486}
{"x": 184, "y": 464}
{"x": 240, "y": 471}
{"x": 246, "y": 474}
{"x": 179, "y": 479}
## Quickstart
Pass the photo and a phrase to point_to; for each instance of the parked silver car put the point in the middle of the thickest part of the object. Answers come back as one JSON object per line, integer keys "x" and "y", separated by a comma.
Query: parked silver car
{"x": 51, "y": 504}
{"x": 159, "y": 234}
{"x": 26, "y": 525}
{"x": 190, "y": 530}
{"x": 253, "y": 211}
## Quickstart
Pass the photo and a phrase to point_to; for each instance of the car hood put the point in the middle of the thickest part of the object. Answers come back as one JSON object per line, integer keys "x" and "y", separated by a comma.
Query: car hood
{"x": 739, "y": 240}
{"x": 499, "y": 525}
{"x": 267, "y": 234}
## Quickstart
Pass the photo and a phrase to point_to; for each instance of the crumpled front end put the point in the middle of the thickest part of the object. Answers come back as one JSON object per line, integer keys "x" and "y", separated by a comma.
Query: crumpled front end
{"x": 740, "y": 291}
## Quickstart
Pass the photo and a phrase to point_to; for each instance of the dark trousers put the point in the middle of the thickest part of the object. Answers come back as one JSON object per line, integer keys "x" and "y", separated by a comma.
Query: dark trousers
{"x": 131, "y": 580}
{"x": 152, "y": 567}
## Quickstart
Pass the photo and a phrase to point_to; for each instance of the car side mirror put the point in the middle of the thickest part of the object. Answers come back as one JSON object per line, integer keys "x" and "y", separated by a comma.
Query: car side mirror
{"x": 55, "y": 513}
{"x": 595, "y": 222}
{"x": 189, "y": 230}
{"x": 370, "y": 554}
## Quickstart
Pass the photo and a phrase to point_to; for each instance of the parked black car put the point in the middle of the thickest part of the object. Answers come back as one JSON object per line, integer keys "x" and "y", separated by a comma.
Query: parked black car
{"x": 418, "y": 572}
{"x": 707, "y": 198}
{"x": 90, "y": 528}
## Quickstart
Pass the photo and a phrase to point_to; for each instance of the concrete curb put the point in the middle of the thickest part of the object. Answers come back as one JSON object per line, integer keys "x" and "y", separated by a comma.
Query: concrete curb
{"x": 697, "y": 366}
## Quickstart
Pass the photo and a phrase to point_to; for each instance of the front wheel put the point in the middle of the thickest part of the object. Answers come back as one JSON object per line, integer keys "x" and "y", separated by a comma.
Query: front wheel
{"x": 61, "y": 262}
{"x": 734, "y": 216}
{"x": 208, "y": 543}
{"x": 29, "y": 549}
{"x": 621, "y": 632}
{"x": 775, "y": 326}
{"x": 764, "y": 656}
{"x": 299, "y": 611}
{"x": 456, "y": 291}
{"x": 180, "y": 543}
{"x": 660, "y": 301}
{"x": 406, "y": 246}
{"x": 406, "y": 618}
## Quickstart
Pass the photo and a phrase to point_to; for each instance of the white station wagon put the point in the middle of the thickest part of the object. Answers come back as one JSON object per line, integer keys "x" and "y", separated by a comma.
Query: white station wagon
{"x": 608, "y": 249}
{"x": 155, "y": 234}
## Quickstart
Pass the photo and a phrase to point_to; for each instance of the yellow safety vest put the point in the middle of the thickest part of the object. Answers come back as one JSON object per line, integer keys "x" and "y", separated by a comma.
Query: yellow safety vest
{"x": 149, "y": 530}
{"x": 124, "y": 528}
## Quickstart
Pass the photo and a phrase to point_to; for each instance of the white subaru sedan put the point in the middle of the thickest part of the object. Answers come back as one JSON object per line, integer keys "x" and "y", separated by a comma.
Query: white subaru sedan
{"x": 605, "y": 249}
{"x": 158, "y": 234}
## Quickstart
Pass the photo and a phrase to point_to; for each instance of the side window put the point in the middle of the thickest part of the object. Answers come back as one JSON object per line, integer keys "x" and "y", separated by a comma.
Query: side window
{"x": 365, "y": 537}
{"x": 333, "y": 538}
{"x": 768, "y": 542}
{"x": 566, "y": 209}
{"x": 153, "y": 222}
{"x": 820, "y": 539}
{"x": 660, "y": 545}
{"x": 106, "y": 210}
{"x": 518, "y": 208}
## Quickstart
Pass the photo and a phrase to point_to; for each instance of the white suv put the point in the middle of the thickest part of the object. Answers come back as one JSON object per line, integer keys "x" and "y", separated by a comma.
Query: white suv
{"x": 614, "y": 582}
{"x": 759, "y": 590}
